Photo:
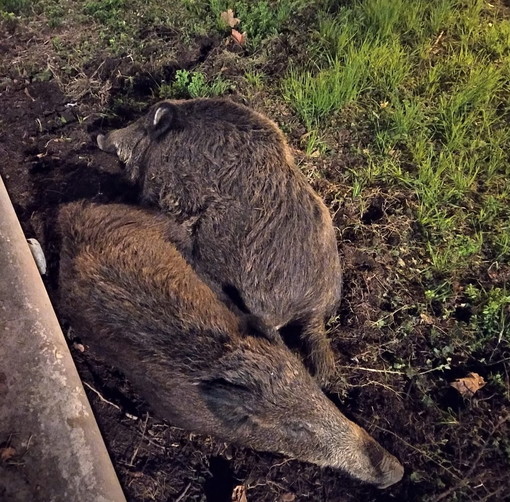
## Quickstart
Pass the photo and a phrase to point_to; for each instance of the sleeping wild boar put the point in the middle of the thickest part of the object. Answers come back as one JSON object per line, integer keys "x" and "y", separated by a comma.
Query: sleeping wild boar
{"x": 139, "y": 304}
{"x": 258, "y": 228}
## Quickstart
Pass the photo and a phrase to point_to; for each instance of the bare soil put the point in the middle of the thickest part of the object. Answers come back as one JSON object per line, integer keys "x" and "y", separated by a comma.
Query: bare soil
{"x": 48, "y": 157}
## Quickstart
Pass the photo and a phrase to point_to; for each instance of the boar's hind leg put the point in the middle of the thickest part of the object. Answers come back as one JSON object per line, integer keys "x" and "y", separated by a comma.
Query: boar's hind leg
{"x": 319, "y": 356}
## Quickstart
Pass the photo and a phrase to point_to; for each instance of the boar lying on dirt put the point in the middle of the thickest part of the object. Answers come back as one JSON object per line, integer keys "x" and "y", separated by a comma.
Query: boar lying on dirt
{"x": 258, "y": 229}
{"x": 138, "y": 303}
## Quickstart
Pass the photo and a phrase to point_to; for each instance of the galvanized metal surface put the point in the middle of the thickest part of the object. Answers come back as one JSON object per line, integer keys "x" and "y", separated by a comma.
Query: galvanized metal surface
{"x": 50, "y": 446}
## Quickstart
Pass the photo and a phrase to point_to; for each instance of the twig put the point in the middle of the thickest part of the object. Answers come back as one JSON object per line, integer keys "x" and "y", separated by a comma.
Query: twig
{"x": 393, "y": 372}
{"x": 28, "y": 94}
{"x": 421, "y": 452}
{"x": 465, "y": 480}
{"x": 436, "y": 41}
{"x": 498, "y": 362}
{"x": 183, "y": 494}
{"x": 372, "y": 370}
{"x": 135, "y": 453}
{"x": 492, "y": 495}
{"x": 101, "y": 397}
{"x": 374, "y": 382}
{"x": 274, "y": 466}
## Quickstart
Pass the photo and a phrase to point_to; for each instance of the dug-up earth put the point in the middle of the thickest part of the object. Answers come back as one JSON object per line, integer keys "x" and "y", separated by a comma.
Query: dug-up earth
{"x": 395, "y": 366}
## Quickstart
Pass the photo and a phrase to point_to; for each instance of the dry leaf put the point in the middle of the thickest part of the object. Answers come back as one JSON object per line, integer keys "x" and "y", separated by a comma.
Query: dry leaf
{"x": 287, "y": 497}
{"x": 7, "y": 453}
{"x": 228, "y": 18}
{"x": 239, "y": 494}
{"x": 426, "y": 318}
{"x": 467, "y": 386}
{"x": 240, "y": 38}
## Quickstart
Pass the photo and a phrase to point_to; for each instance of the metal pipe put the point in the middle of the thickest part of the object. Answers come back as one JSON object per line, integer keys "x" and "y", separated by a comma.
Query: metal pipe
{"x": 51, "y": 449}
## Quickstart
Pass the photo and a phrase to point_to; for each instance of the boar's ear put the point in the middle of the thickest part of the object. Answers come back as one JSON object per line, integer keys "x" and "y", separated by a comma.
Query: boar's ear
{"x": 162, "y": 118}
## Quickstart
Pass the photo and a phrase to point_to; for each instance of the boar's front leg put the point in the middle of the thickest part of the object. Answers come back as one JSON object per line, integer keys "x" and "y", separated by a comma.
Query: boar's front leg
{"x": 319, "y": 356}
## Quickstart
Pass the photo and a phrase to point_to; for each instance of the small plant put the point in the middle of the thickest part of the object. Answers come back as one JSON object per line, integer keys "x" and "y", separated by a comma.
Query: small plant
{"x": 106, "y": 11}
{"x": 316, "y": 95}
{"x": 434, "y": 109}
{"x": 260, "y": 19}
{"x": 193, "y": 85}
{"x": 494, "y": 319}
{"x": 255, "y": 79}
{"x": 15, "y": 7}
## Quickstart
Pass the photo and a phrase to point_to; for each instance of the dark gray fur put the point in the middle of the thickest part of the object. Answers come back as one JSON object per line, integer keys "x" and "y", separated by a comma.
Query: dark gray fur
{"x": 258, "y": 229}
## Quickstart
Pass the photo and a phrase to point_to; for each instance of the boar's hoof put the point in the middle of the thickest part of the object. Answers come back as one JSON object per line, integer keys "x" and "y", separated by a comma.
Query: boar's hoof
{"x": 321, "y": 363}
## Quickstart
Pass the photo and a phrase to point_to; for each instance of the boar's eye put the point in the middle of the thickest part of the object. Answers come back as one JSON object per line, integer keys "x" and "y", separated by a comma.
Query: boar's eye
{"x": 221, "y": 393}
{"x": 298, "y": 429}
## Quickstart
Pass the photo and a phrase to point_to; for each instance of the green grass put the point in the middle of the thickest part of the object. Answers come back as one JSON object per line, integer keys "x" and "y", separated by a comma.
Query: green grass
{"x": 430, "y": 80}
{"x": 260, "y": 20}
{"x": 14, "y": 6}
{"x": 425, "y": 81}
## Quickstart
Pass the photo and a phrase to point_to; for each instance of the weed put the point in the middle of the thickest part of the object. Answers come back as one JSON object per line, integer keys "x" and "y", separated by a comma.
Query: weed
{"x": 255, "y": 79}
{"x": 493, "y": 319}
{"x": 107, "y": 11}
{"x": 14, "y": 6}
{"x": 193, "y": 85}
{"x": 260, "y": 20}
{"x": 314, "y": 95}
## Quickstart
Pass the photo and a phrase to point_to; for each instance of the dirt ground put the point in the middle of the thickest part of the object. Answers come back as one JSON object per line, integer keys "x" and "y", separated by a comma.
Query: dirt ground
{"x": 48, "y": 157}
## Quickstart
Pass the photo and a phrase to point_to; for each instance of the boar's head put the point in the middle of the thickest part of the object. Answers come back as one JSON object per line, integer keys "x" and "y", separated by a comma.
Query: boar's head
{"x": 262, "y": 396}
{"x": 131, "y": 142}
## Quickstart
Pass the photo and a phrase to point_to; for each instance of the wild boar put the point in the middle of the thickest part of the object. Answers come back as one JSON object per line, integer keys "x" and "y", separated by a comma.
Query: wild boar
{"x": 258, "y": 228}
{"x": 136, "y": 301}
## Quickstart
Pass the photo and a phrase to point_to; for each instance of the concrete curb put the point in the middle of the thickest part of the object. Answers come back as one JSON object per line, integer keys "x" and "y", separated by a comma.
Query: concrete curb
{"x": 50, "y": 446}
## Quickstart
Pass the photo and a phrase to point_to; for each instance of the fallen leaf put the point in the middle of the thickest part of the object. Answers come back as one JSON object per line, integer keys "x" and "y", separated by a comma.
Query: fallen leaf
{"x": 228, "y": 18}
{"x": 287, "y": 497}
{"x": 467, "y": 386}
{"x": 426, "y": 318}
{"x": 7, "y": 453}
{"x": 240, "y": 38}
{"x": 239, "y": 494}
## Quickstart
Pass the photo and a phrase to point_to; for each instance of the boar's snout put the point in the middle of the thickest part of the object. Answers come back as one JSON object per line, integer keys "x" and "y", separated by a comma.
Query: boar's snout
{"x": 105, "y": 145}
{"x": 374, "y": 464}
{"x": 100, "y": 141}
{"x": 392, "y": 471}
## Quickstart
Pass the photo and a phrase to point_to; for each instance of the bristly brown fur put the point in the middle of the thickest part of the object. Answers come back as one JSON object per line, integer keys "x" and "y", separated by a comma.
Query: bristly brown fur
{"x": 136, "y": 301}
